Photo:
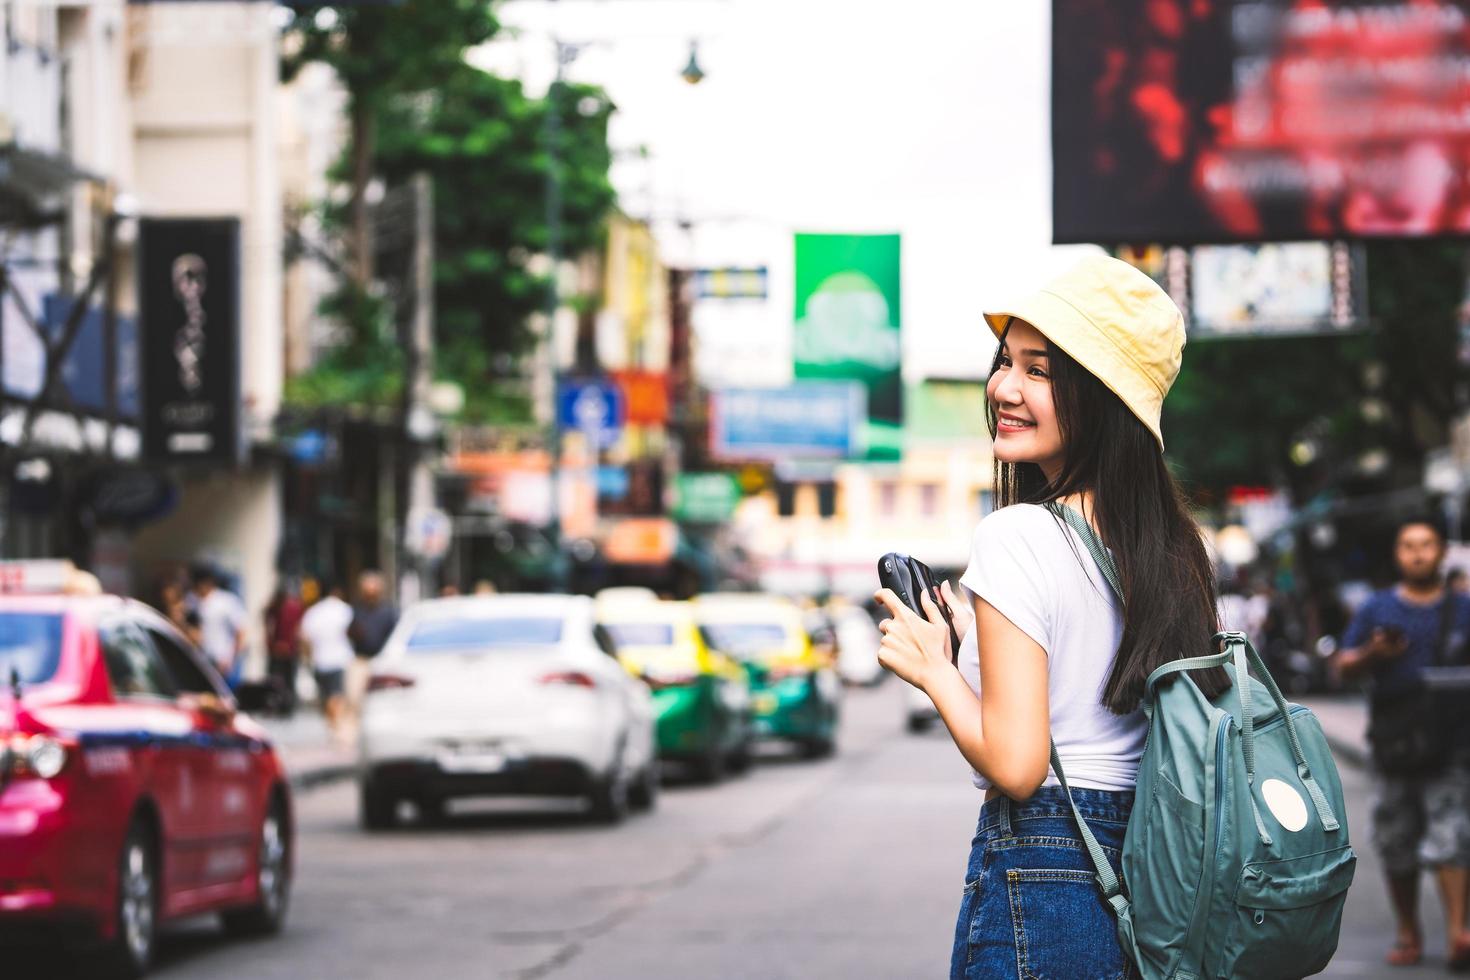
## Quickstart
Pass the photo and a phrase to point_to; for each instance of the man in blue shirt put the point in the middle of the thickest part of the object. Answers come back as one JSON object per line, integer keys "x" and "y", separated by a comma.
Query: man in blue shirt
{"x": 1419, "y": 817}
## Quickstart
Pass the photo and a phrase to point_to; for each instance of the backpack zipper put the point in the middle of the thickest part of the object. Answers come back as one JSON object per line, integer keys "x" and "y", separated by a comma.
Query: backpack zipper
{"x": 1221, "y": 738}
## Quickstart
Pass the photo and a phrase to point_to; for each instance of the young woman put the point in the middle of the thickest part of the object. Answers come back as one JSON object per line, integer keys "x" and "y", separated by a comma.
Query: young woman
{"x": 1052, "y": 654}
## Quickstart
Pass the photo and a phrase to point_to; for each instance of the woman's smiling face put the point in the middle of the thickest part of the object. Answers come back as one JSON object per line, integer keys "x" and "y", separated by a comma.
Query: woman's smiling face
{"x": 1020, "y": 394}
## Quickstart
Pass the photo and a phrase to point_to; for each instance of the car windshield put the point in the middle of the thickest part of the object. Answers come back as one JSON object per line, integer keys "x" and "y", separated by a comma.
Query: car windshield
{"x": 30, "y": 646}
{"x": 641, "y": 634}
{"x": 484, "y": 631}
{"x": 744, "y": 639}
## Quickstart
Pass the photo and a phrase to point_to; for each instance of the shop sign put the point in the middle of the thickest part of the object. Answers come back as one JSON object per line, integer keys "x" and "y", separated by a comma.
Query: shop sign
{"x": 189, "y": 321}
{"x": 708, "y": 498}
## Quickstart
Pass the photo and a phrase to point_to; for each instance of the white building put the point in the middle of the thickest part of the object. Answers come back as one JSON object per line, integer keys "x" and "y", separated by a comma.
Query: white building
{"x": 159, "y": 111}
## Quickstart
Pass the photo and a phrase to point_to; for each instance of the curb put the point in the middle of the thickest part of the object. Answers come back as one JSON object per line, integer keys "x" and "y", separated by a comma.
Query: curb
{"x": 309, "y": 779}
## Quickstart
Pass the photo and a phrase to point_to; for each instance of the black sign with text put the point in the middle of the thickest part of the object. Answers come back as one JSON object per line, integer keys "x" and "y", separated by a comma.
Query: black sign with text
{"x": 189, "y": 324}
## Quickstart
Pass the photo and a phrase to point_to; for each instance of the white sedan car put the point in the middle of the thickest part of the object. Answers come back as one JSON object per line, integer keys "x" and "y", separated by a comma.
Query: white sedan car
{"x": 516, "y": 695}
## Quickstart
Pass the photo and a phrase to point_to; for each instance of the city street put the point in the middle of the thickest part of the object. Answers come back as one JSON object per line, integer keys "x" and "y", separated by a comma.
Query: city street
{"x": 843, "y": 868}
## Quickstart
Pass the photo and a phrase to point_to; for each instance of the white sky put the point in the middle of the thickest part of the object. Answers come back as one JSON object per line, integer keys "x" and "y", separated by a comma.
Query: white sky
{"x": 928, "y": 117}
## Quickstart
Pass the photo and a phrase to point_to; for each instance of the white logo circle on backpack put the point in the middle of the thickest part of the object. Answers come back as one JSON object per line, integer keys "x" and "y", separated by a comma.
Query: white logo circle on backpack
{"x": 1285, "y": 804}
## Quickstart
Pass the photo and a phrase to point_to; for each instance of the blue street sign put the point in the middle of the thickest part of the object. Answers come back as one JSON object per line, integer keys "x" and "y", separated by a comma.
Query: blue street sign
{"x": 592, "y": 407}
{"x": 612, "y": 482}
{"x": 818, "y": 419}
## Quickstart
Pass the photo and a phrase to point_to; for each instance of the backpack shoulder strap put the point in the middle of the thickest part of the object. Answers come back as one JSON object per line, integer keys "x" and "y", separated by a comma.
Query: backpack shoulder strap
{"x": 1094, "y": 544}
{"x": 1107, "y": 880}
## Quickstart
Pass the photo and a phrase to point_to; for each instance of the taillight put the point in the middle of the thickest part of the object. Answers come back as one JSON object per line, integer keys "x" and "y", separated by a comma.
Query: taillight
{"x": 389, "y": 682}
{"x": 573, "y": 677}
{"x": 33, "y": 756}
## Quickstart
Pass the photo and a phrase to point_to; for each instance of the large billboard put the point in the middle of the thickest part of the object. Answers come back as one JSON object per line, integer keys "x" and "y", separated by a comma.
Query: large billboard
{"x": 848, "y": 316}
{"x": 189, "y": 318}
{"x": 1178, "y": 121}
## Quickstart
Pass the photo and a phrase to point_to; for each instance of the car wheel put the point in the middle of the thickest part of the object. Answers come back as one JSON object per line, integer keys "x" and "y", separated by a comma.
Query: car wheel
{"x": 919, "y": 724}
{"x": 608, "y": 799}
{"x": 643, "y": 794}
{"x": 432, "y": 810}
{"x": 136, "y": 917}
{"x": 710, "y": 767}
{"x": 376, "y": 809}
{"x": 819, "y": 748}
{"x": 273, "y": 879}
{"x": 740, "y": 760}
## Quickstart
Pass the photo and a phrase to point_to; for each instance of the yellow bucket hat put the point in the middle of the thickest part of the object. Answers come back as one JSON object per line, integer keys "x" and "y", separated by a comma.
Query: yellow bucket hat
{"x": 1114, "y": 321}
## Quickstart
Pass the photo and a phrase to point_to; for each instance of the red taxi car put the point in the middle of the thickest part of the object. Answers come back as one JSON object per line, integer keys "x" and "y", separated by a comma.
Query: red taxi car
{"x": 131, "y": 793}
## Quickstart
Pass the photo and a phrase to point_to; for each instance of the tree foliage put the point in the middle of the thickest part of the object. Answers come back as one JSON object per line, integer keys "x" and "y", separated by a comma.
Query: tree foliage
{"x": 416, "y": 105}
{"x": 380, "y": 51}
{"x": 1240, "y": 407}
{"x": 484, "y": 142}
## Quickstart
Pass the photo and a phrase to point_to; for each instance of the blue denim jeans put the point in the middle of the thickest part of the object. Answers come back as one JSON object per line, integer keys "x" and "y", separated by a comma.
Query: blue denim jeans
{"x": 1031, "y": 906}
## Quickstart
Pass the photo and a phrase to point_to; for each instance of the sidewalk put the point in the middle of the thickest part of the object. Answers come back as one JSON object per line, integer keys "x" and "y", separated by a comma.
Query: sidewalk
{"x": 307, "y": 749}
{"x": 1344, "y": 720}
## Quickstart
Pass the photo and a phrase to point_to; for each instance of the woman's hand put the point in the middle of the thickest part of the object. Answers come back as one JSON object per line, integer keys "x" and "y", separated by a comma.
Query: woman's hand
{"x": 914, "y": 647}
{"x": 962, "y": 614}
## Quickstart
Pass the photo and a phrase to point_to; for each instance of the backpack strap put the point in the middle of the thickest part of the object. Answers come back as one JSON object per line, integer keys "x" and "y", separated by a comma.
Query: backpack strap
{"x": 1094, "y": 544}
{"x": 1239, "y": 647}
{"x": 1107, "y": 880}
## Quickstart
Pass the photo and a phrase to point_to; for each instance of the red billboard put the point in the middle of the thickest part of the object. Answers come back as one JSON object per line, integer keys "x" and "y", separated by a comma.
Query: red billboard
{"x": 1196, "y": 121}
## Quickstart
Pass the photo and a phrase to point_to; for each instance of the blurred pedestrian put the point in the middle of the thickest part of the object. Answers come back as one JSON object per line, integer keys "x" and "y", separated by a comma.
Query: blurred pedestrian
{"x": 448, "y": 590}
{"x": 173, "y": 602}
{"x": 324, "y": 633}
{"x": 373, "y": 619}
{"x": 283, "y": 642}
{"x": 1051, "y": 655}
{"x": 222, "y": 621}
{"x": 485, "y": 587}
{"x": 1421, "y": 756}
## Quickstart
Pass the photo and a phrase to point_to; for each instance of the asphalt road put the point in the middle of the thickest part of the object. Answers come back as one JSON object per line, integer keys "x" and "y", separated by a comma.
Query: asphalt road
{"x": 846, "y": 867}
{"x": 850, "y": 866}
{"x": 1367, "y": 926}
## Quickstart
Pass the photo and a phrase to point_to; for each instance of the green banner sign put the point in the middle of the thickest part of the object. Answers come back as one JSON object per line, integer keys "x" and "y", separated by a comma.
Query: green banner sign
{"x": 848, "y": 305}
{"x": 705, "y": 498}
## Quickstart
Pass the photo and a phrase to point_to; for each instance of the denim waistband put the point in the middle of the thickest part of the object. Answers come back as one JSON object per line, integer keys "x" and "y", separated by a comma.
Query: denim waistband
{"x": 1051, "y": 801}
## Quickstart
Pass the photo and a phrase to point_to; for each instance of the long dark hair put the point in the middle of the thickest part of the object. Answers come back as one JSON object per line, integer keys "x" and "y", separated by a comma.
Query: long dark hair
{"x": 1169, "y": 606}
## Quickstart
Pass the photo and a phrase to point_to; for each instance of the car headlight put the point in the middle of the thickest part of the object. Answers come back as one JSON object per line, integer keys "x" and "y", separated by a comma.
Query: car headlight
{"x": 46, "y": 756}
{"x": 34, "y": 755}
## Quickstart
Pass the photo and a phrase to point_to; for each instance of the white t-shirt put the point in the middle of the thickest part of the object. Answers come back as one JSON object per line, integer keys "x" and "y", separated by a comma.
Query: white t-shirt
{"x": 1037, "y": 573}
{"x": 325, "y": 628}
{"x": 221, "y": 616}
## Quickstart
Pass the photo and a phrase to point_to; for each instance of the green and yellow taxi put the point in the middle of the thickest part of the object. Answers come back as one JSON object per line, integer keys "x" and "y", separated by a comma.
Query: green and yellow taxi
{"x": 701, "y": 698}
{"x": 794, "y": 690}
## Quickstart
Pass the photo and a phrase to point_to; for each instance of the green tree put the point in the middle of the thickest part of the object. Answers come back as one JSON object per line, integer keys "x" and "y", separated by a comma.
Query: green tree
{"x": 380, "y": 52}
{"x": 485, "y": 144}
{"x": 1300, "y": 412}
{"x": 416, "y": 105}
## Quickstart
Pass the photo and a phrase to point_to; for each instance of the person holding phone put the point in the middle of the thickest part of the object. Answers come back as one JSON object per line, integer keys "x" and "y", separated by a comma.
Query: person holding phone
{"x": 1075, "y": 394}
{"x": 1420, "y": 746}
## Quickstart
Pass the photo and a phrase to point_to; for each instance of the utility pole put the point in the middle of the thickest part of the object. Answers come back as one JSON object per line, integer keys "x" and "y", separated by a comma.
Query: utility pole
{"x": 414, "y": 487}
{"x": 551, "y": 135}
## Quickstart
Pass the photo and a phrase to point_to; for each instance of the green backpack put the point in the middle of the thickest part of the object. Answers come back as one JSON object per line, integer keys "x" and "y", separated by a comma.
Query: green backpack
{"x": 1236, "y": 862}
